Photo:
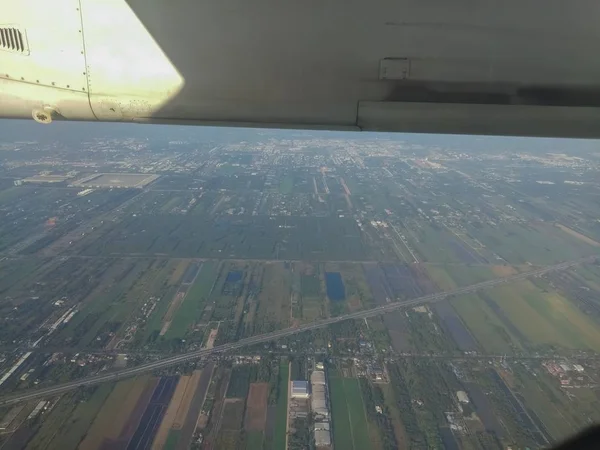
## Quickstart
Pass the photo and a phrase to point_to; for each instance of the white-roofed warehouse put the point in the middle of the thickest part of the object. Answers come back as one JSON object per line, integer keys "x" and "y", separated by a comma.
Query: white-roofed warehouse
{"x": 317, "y": 377}
{"x": 322, "y": 434}
{"x": 318, "y": 401}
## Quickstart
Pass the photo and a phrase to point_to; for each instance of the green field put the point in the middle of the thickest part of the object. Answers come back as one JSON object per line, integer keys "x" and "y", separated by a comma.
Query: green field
{"x": 546, "y": 317}
{"x": 172, "y": 440}
{"x": 286, "y": 185}
{"x": 74, "y": 430}
{"x": 52, "y": 423}
{"x": 452, "y": 276}
{"x": 279, "y": 435}
{"x": 561, "y": 413}
{"x": 551, "y": 405}
{"x": 274, "y": 300}
{"x": 432, "y": 244}
{"x": 484, "y": 325}
{"x": 539, "y": 244}
{"x": 522, "y": 315}
{"x": 105, "y": 419}
{"x": 441, "y": 277}
{"x": 193, "y": 304}
{"x": 154, "y": 323}
{"x": 310, "y": 304}
{"x": 254, "y": 440}
{"x": 69, "y": 421}
{"x": 350, "y": 429}
{"x": 106, "y": 305}
{"x": 310, "y": 286}
{"x": 358, "y": 294}
{"x": 257, "y": 237}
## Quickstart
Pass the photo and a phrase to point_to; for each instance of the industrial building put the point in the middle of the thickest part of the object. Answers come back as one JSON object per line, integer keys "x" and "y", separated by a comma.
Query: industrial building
{"x": 299, "y": 389}
{"x": 319, "y": 401}
{"x": 322, "y": 434}
{"x": 319, "y": 406}
{"x": 319, "y": 394}
{"x": 116, "y": 180}
{"x": 317, "y": 377}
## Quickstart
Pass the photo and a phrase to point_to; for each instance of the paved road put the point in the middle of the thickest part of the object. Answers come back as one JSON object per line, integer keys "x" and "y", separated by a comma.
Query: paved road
{"x": 178, "y": 359}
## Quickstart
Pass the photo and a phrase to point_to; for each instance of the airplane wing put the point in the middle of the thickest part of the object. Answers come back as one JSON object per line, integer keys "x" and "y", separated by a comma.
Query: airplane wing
{"x": 516, "y": 67}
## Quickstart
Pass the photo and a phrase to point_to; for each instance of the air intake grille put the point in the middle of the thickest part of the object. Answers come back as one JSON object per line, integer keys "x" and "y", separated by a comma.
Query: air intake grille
{"x": 11, "y": 39}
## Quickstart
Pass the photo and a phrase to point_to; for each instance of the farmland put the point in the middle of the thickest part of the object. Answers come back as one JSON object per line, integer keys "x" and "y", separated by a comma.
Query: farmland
{"x": 117, "y": 408}
{"x": 260, "y": 238}
{"x": 512, "y": 317}
{"x": 67, "y": 431}
{"x": 194, "y": 301}
{"x": 280, "y": 427}
{"x": 350, "y": 428}
{"x": 130, "y": 413}
{"x": 273, "y": 310}
{"x": 256, "y": 411}
{"x": 310, "y": 304}
{"x": 117, "y": 251}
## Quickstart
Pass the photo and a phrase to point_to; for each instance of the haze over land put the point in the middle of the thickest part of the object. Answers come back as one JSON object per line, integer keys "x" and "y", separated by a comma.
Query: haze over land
{"x": 125, "y": 244}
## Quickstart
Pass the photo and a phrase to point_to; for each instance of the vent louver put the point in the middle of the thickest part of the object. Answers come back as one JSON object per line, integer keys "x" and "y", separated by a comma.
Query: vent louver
{"x": 12, "y": 39}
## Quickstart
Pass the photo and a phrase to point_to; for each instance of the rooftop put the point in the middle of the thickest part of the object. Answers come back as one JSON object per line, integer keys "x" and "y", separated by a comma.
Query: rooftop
{"x": 300, "y": 386}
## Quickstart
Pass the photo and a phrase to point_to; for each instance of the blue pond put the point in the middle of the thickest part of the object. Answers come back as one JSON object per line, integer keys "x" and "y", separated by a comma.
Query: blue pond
{"x": 335, "y": 286}
{"x": 234, "y": 276}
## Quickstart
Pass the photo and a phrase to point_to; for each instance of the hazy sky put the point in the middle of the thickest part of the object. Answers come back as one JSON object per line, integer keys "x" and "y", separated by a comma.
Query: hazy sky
{"x": 72, "y": 132}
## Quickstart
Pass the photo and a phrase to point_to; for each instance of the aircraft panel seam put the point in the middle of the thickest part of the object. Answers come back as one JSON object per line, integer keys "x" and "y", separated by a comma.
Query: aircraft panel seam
{"x": 87, "y": 69}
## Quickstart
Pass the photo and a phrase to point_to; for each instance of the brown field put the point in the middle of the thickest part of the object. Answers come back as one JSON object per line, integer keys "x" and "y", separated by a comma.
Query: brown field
{"x": 184, "y": 407}
{"x": 228, "y": 434}
{"x": 503, "y": 271}
{"x": 578, "y": 235}
{"x": 173, "y": 307}
{"x": 354, "y": 303}
{"x": 227, "y": 440}
{"x": 202, "y": 421}
{"x": 210, "y": 343}
{"x": 114, "y": 413}
{"x": 233, "y": 414}
{"x": 169, "y": 417}
{"x": 178, "y": 272}
{"x": 136, "y": 413}
{"x": 256, "y": 407}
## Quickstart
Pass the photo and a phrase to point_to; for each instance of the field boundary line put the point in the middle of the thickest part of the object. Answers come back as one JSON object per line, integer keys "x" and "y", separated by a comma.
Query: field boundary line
{"x": 349, "y": 414}
{"x": 196, "y": 354}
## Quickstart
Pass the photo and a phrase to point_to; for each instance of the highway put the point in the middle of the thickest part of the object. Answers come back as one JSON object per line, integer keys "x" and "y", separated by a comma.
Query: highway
{"x": 178, "y": 359}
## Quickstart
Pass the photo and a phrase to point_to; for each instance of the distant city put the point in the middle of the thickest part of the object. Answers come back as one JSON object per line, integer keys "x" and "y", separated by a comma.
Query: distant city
{"x": 216, "y": 288}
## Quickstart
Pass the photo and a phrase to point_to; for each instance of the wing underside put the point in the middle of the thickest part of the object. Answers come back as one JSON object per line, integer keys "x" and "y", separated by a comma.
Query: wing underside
{"x": 514, "y": 67}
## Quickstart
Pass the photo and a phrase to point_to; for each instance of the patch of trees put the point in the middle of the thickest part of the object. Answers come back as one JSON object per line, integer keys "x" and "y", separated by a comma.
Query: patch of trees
{"x": 416, "y": 437}
{"x": 244, "y": 374}
{"x": 301, "y": 438}
{"x": 373, "y": 397}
